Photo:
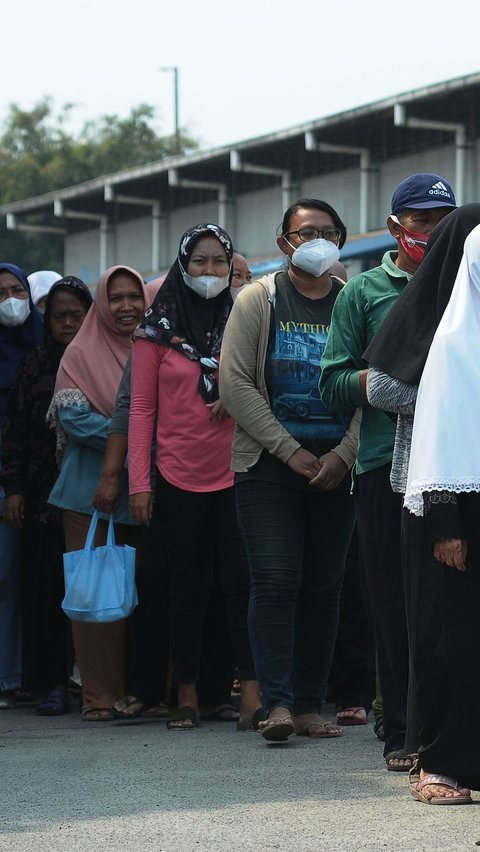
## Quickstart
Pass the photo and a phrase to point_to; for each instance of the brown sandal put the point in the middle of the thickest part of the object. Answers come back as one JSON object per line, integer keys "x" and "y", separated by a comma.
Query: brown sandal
{"x": 277, "y": 729}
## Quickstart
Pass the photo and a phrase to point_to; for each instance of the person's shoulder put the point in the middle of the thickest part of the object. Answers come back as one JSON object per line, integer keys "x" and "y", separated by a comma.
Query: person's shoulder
{"x": 260, "y": 290}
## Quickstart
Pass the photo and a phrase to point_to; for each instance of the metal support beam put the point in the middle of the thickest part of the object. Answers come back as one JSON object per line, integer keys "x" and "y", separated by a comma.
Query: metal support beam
{"x": 190, "y": 183}
{"x": 14, "y": 225}
{"x": 65, "y": 213}
{"x": 237, "y": 164}
{"x": 400, "y": 119}
{"x": 311, "y": 144}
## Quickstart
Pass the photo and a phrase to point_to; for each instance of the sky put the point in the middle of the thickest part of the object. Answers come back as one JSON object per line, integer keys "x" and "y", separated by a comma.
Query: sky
{"x": 245, "y": 67}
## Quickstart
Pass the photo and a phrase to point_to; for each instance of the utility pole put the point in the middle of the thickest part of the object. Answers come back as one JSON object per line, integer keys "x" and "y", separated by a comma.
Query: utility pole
{"x": 174, "y": 69}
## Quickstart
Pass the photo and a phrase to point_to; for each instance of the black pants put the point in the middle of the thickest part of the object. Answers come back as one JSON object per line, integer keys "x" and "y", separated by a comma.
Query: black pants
{"x": 192, "y": 530}
{"x": 352, "y": 675}
{"x": 443, "y": 616}
{"x": 148, "y": 675}
{"x": 379, "y": 536}
{"x": 47, "y": 651}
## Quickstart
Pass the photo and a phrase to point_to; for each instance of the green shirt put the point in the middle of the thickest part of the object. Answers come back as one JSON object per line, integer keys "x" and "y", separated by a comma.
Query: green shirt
{"x": 359, "y": 311}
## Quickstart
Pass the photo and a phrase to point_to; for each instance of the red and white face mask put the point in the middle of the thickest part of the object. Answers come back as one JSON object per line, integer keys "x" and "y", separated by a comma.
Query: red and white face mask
{"x": 412, "y": 243}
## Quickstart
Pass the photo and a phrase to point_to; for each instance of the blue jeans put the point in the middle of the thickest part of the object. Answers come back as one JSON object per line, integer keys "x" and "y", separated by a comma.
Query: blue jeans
{"x": 11, "y": 567}
{"x": 296, "y": 544}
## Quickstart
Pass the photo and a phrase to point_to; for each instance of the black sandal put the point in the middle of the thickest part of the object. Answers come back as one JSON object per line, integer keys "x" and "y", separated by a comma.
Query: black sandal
{"x": 400, "y": 754}
{"x": 184, "y": 714}
{"x": 129, "y": 701}
{"x": 252, "y": 724}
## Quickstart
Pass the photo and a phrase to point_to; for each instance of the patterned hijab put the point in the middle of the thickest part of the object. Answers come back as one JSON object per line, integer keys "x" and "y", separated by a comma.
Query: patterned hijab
{"x": 182, "y": 320}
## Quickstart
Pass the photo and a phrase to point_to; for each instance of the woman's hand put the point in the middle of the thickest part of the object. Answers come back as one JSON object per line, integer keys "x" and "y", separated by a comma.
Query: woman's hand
{"x": 107, "y": 496}
{"x": 331, "y": 473}
{"x": 14, "y": 511}
{"x": 217, "y": 411}
{"x": 451, "y": 551}
{"x": 141, "y": 507}
{"x": 304, "y": 463}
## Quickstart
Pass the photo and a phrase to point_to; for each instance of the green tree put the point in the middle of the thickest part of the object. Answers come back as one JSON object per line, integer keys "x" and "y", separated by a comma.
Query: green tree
{"x": 38, "y": 155}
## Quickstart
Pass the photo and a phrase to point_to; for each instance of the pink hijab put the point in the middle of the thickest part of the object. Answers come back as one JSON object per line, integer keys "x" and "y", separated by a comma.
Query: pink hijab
{"x": 94, "y": 361}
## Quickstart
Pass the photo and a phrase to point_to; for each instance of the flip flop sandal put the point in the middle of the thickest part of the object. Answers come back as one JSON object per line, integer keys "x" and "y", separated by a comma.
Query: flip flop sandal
{"x": 400, "y": 754}
{"x": 437, "y": 780}
{"x": 55, "y": 704}
{"x": 97, "y": 714}
{"x": 278, "y": 730}
{"x": 223, "y": 713}
{"x": 252, "y": 724}
{"x": 378, "y": 729}
{"x": 124, "y": 715}
{"x": 330, "y": 731}
{"x": 359, "y": 716}
{"x": 157, "y": 711}
{"x": 184, "y": 714}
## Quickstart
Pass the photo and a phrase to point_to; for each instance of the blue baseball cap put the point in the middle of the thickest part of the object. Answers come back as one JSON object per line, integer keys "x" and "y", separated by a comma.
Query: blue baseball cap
{"x": 422, "y": 191}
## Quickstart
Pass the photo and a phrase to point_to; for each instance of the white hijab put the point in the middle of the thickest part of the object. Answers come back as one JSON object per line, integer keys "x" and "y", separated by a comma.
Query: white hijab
{"x": 445, "y": 452}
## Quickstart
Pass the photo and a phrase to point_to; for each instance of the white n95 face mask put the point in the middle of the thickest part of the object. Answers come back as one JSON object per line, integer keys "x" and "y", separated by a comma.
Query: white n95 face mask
{"x": 316, "y": 256}
{"x": 236, "y": 290}
{"x": 206, "y": 286}
{"x": 14, "y": 311}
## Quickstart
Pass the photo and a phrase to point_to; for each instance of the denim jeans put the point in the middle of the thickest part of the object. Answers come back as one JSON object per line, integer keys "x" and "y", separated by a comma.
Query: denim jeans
{"x": 11, "y": 556}
{"x": 296, "y": 544}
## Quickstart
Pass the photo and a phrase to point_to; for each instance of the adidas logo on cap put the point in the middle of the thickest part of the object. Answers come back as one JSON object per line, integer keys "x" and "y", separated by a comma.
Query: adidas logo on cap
{"x": 439, "y": 188}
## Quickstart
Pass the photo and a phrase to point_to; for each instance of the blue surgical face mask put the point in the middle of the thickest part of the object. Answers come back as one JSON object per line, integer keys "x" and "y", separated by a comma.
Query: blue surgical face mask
{"x": 316, "y": 256}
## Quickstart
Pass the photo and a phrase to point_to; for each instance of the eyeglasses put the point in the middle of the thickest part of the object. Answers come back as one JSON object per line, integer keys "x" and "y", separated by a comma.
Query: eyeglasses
{"x": 306, "y": 234}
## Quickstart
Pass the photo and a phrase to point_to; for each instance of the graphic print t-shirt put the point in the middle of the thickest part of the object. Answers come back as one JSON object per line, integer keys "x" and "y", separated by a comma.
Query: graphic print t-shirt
{"x": 293, "y": 372}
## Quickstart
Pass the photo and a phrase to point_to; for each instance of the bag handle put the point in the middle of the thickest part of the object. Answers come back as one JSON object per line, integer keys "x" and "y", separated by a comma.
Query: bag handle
{"x": 92, "y": 530}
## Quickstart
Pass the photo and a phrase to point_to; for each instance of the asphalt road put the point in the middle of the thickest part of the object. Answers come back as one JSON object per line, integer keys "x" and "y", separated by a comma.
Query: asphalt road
{"x": 74, "y": 786}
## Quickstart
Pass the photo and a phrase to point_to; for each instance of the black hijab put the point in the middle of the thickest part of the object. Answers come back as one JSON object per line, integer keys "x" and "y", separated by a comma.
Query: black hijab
{"x": 79, "y": 289}
{"x": 183, "y": 320}
{"x": 401, "y": 345}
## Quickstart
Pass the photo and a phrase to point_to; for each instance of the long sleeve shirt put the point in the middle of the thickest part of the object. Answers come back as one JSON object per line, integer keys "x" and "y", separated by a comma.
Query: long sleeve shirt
{"x": 193, "y": 451}
{"x": 359, "y": 311}
{"x": 86, "y": 431}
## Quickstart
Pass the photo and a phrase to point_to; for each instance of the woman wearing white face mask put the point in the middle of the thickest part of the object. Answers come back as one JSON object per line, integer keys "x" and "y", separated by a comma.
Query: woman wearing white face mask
{"x": 174, "y": 375}
{"x": 241, "y": 275}
{"x": 291, "y": 459}
{"x": 20, "y": 330}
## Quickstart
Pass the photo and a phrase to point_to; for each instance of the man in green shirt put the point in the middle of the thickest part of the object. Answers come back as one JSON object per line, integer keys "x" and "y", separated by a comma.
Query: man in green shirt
{"x": 419, "y": 202}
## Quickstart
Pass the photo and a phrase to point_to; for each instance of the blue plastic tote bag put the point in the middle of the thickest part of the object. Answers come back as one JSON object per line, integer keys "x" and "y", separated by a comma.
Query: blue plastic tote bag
{"x": 100, "y": 581}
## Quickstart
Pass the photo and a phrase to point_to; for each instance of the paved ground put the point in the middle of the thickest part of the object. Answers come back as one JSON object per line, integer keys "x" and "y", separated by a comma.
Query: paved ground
{"x": 71, "y": 786}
